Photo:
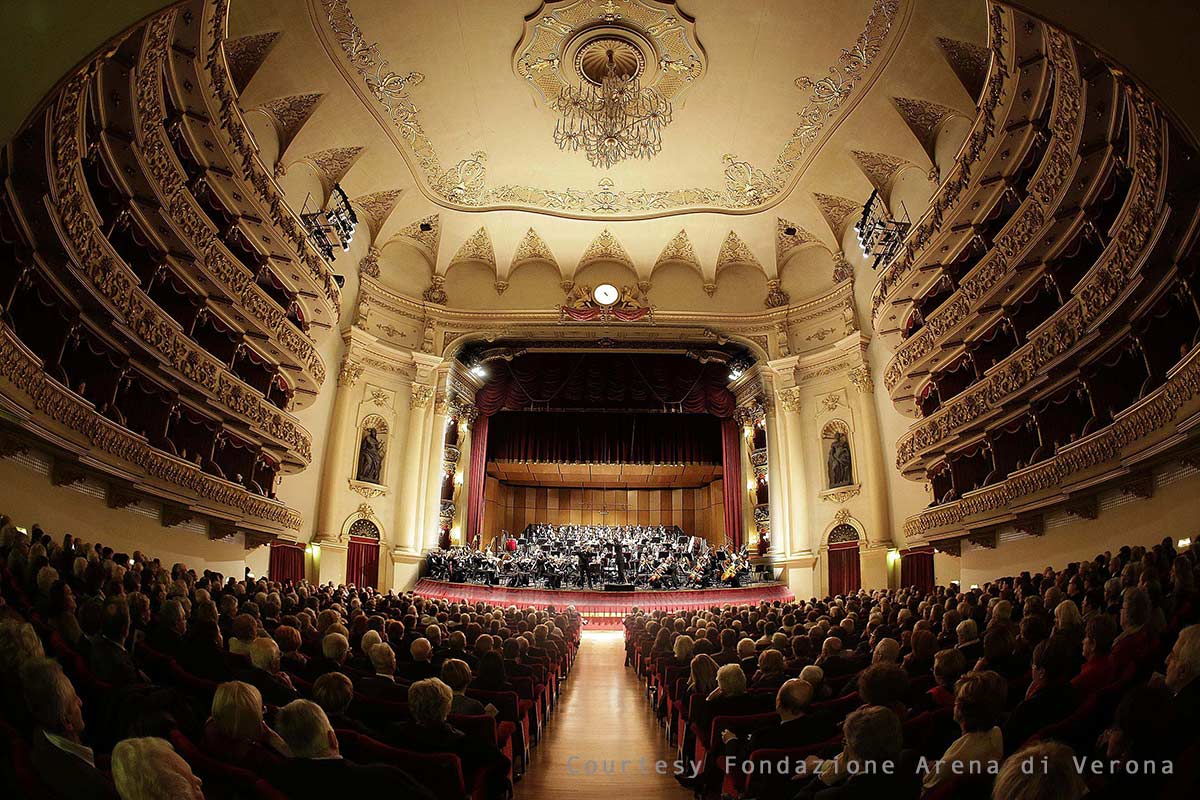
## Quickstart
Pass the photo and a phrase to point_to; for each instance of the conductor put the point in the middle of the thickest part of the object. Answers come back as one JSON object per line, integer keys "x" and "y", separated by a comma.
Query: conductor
{"x": 585, "y": 574}
{"x": 620, "y": 550}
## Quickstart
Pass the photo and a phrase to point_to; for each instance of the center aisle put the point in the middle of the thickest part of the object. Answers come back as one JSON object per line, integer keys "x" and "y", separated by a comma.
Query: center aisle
{"x": 602, "y": 741}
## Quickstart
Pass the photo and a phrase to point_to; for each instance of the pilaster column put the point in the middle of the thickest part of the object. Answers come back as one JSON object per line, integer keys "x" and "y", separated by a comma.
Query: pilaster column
{"x": 797, "y": 483}
{"x": 420, "y": 401}
{"x": 778, "y": 478}
{"x": 876, "y": 469}
{"x": 339, "y": 448}
{"x": 431, "y": 516}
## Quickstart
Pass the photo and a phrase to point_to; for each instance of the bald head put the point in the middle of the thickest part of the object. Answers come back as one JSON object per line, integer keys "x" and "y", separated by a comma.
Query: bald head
{"x": 794, "y": 695}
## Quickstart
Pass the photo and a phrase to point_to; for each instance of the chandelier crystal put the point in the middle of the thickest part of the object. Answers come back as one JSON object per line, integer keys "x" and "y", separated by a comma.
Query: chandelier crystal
{"x": 611, "y": 120}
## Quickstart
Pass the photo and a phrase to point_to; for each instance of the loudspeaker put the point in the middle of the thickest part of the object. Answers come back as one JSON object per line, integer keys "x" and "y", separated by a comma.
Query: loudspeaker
{"x": 618, "y": 587}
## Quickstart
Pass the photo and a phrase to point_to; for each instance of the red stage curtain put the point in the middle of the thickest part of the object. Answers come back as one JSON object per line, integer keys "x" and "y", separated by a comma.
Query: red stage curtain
{"x": 611, "y": 381}
{"x": 476, "y": 475}
{"x": 631, "y": 438}
{"x": 362, "y": 562}
{"x": 916, "y": 568}
{"x": 287, "y": 562}
{"x": 731, "y": 469}
{"x": 845, "y": 573}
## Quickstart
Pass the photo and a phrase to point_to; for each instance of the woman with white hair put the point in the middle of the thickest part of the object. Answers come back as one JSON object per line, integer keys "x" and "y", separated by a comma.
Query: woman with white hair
{"x": 150, "y": 769}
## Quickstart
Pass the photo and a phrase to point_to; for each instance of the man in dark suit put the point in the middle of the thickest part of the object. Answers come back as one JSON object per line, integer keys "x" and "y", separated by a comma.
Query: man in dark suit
{"x": 108, "y": 659}
{"x": 335, "y": 649}
{"x": 265, "y": 674}
{"x": 512, "y": 660}
{"x": 383, "y": 683}
{"x": 60, "y": 758}
{"x": 421, "y": 665}
{"x": 795, "y": 729}
{"x": 317, "y": 769}
{"x": 202, "y": 653}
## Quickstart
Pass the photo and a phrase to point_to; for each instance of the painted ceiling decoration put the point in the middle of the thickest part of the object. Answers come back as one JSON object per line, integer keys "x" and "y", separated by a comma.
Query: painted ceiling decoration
{"x": 425, "y": 234}
{"x": 376, "y": 207}
{"x": 477, "y": 249}
{"x": 605, "y": 247}
{"x": 331, "y": 166}
{"x": 969, "y": 62}
{"x": 394, "y": 92}
{"x": 735, "y": 251}
{"x": 881, "y": 169}
{"x": 288, "y": 115}
{"x": 530, "y": 249}
{"x": 678, "y": 251}
{"x": 838, "y": 211}
{"x": 246, "y": 54}
{"x": 923, "y": 119}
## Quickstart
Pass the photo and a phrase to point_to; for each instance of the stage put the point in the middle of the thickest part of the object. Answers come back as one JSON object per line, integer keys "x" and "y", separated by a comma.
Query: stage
{"x": 603, "y": 609}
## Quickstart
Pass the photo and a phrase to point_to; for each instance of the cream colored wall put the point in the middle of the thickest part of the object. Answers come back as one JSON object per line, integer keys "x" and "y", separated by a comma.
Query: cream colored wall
{"x": 29, "y": 497}
{"x": 807, "y": 272}
{"x": 403, "y": 268}
{"x": 680, "y": 286}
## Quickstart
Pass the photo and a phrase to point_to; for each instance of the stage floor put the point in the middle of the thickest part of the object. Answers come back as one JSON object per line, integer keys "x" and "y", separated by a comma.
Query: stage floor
{"x": 603, "y": 609}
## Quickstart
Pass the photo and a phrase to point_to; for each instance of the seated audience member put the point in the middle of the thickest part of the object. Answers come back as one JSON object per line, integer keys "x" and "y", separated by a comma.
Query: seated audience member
{"x": 335, "y": 649}
{"x": 1099, "y": 669}
{"x": 968, "y": 641}
{"x": 492, "y": 674}
{"x": 382, "y": 682}
{"x": 245, "y": 631}
{"x": 333, "y": 692}
{"x": 728, "y": 699}
{"x": 868, "y": 767}
{"x": 948, "y": 666}
{"x": 512, "y": 659}
{"x": 1135, "y": 643}
{"x": 150, "y": 769}
{"x": 202, "y": 653}
{"x": 19, "y": 644}
{"x": 747, "y": 656}
{"x": 421, "y": 665}
{"x": 264, "y": 673}
{"x": 107, "y": 658}
{"x": 1134, "y": 739}
{"x": 457, "y": 675}
{"x": 63, "y": 762}
{"x": 797, "y": 727}
{"x": 815, "y": 676}
{"x": 1183, "y": 680}
{"x": 428, "y": 731}
{"x": 702, "y": 680}
{"x": 317, "y": 769}
{"x": 166, "y": 634}
{"x": 884, "y": 685}
{"x": 1042, "y": 771}
{"x": 1050, "y": 699}
{"x": 978, "y": 704}
{"x": 61, "y": 617}
{"x": 289, "y": 640}
{"x": 887, "y": 651}
{"x": 728, "y": 654}
{"x": 770, "y": 674}
{"x": 236, "y": 732}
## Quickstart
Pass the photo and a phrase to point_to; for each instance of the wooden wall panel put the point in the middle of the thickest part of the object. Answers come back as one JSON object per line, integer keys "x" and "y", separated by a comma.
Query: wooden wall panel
{"x": 690, "y": 509}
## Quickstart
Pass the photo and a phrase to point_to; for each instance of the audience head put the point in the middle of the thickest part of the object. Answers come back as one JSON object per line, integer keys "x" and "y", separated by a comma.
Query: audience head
{"x": 948, "y": 666}
{"x": 731, "y": 680}
{"x": 887, "y": 651}
{"x": 456, "y": 674}
{"x": 335, "y": 647}
{"x": 883, "y": 685}
{"x": 149, "y": 769}
{"x": 383, "y": 659}
{"x": 771, "y": 662}
{"x": 333, "y": 692}
{"x": 421, "y": 649}
{"x": 979, "y": 700}
{"x": 429, "y": 701}
{"x": 813, "y": 675}
{"x": 264, "y": 654}
{"x": 872, "y": 736}
{"x": 704, "y": 674}
{"x": 1099, "y": 635}
{"x": 51, "y": 698}
{"x": 793, "y": 697}
{"x": 237, "y": 711}
{"x": 1041, "y": 771}
{"x": 305, "y": 729}
{"x": 1183, "y": 662}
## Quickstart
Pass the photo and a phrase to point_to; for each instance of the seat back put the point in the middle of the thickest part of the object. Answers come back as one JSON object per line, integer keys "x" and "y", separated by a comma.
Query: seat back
{"x": 480, "y": 727}
{"x": 505, "y": 702}
{"x": 440, "y": 773}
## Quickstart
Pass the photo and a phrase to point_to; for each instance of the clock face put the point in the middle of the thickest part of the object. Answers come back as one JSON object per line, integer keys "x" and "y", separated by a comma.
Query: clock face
{"x": 606, "y": 294}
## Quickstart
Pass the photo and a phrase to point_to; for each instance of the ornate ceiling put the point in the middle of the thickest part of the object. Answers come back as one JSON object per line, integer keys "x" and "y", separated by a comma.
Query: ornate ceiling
{"x": 787, "y": 113}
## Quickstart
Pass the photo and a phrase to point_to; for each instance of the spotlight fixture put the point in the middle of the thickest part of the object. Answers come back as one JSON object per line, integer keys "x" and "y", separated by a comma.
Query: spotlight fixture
{"x": 333, "y": 227}
{"x": 880, "y": 234}
{"x": 737, "y": 367}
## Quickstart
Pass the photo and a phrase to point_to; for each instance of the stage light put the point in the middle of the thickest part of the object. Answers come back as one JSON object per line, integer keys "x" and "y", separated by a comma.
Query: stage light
{"x": 893, "y": 556}
{"x": 1185, "y": 544}
{"x": 478, "y": 371}
{"x": 750, "y": 485}
{"x": 458, "y": 479}
{"x": 308, "y": 550}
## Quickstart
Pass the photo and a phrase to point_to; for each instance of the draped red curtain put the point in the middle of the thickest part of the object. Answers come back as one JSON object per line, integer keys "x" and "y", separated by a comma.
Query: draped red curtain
{"x": 731, "y": 469}
{"x": 916, "y": 568}
{"x": 287, "y": 562}
{"x": 845, "y": 574}
{"x": 574, "y": 437}
{"x": 362, "y": 562}
{"x": 476, "y": 475}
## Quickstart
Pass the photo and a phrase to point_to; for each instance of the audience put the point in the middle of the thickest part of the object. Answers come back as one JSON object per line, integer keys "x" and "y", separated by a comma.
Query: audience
{"x": 148, "y": 768}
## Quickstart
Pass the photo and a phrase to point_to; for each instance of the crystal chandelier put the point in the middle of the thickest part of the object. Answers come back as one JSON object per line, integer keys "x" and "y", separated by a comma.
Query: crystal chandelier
{"x": 610, "y": 116}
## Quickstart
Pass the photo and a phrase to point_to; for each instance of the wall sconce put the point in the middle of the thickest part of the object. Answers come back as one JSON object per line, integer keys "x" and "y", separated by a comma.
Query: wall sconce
{"x": 893, "y": 556}
{"x": 458, "y": 479}
{"x": 750, "y": 485}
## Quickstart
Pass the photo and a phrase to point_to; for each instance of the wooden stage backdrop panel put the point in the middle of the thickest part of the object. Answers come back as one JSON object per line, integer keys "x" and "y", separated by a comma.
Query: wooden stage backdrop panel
{"x": 698, "y": 511}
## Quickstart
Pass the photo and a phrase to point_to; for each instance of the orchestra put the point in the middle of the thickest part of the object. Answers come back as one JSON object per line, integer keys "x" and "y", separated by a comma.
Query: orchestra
{"x": 588, "y": 556}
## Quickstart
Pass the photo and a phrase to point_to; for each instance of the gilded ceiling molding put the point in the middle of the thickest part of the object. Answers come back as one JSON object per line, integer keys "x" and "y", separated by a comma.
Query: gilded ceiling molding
{"x": 605, "y": 247}
{"x": 476, "y": 249}
{"x": 789, "y": 237}
{"x": 288, "y": 115}
{"x": 678, "y": 251}
{"x": 745, "y": 186}
{"x": 533, "y": 248}
{"x": 838, "y": 212}
{"x": 842, "y": 268}
{"x": 881, "y": 169}
{"x": 426, "y": 235}
{"x": 735, "y": 251}
{"x": 924, "y": 118}
{"x": 331, "y": 165}
{"x": 377, "y": 207}
{"x": 246, "y": 54}
{"x": 369, "y": 264}
{"x": 969, "y": 62}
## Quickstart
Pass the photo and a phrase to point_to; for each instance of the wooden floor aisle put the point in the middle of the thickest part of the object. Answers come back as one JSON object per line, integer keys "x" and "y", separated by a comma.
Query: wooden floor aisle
{"x": 602, "y": 720}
